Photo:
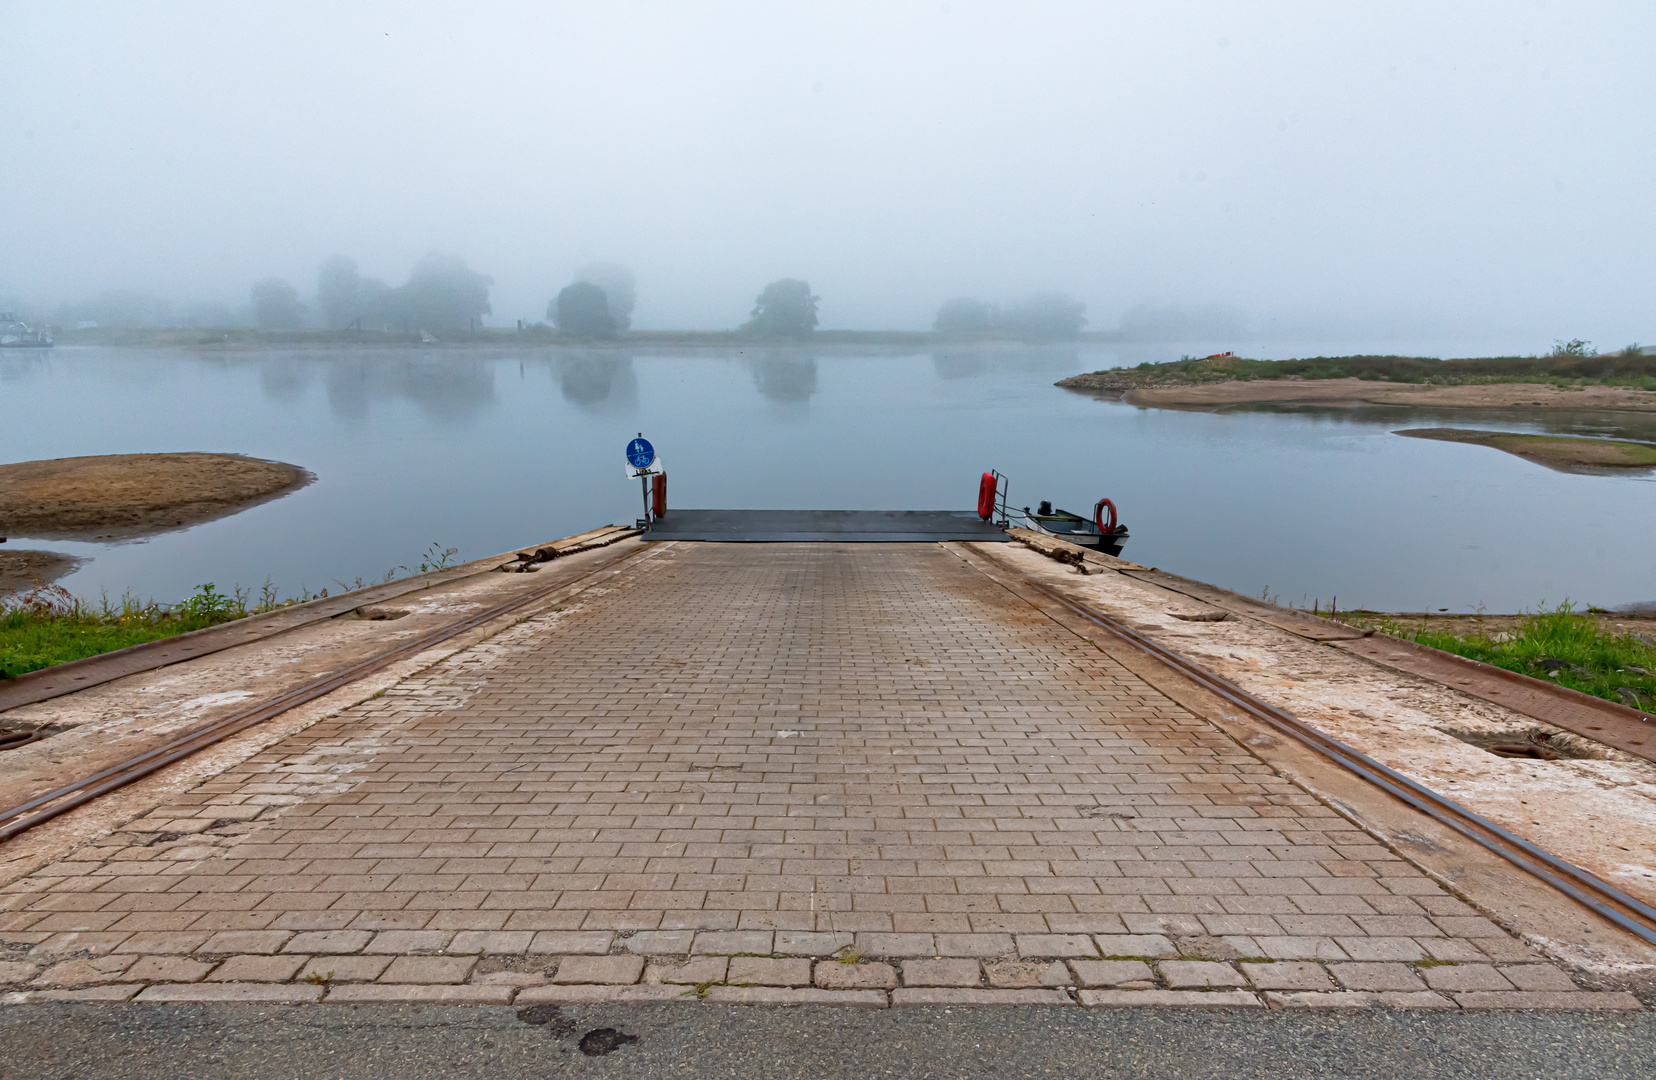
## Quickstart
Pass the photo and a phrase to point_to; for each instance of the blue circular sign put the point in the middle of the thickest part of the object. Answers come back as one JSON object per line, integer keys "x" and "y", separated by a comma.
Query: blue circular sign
{"x": 640, "y": 453}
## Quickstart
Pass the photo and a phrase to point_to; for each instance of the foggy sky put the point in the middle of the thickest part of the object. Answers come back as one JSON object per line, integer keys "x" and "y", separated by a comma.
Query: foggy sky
{"x": 1454, "y": 167}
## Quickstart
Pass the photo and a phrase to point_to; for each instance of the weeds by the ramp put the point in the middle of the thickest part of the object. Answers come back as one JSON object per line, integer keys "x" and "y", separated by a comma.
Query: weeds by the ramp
{"x": 49, "y": 625}
{"x": 1558, "y": 644}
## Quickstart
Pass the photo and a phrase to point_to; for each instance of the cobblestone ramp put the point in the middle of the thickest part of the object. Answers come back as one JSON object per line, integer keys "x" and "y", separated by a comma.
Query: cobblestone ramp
{"x": 862, "y": 774}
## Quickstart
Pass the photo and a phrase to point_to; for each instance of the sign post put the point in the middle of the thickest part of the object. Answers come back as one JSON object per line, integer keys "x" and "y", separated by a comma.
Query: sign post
{"x": 643, "y": 464}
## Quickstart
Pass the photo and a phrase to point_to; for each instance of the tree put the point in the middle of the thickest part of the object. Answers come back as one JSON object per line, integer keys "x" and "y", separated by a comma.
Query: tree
{"x": 346, "y": 296}
{"x": 966, "y": 316}
{"x": 276, "y": 305}
{"x": 785, "y": 309}
{"x": 582, "y": 310}
{"x": 442, "y": 293}
{"x": 1047, "y": 315}
{"x": 619, "y": 286}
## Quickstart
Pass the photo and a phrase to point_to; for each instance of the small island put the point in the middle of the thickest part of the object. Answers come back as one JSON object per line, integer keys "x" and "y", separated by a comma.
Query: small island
{"x": 128, "y": 496}
{"x": 1625, "y": 380}
{"x": 116, "y": 497}
{"x": 1563, "y": 452}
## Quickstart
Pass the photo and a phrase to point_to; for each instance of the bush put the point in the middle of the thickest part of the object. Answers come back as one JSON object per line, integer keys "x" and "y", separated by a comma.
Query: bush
{"x": 1573, "y": 347}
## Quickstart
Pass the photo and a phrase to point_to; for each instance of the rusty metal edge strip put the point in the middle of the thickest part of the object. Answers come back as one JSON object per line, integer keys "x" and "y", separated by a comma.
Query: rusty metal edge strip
{"x": 1613, "y": 710}
{"x": 1542, "y": 687}
{"x": 1599, "y": 896}
{"x": 16, "y": 692}
{"x": 90, "y": 787}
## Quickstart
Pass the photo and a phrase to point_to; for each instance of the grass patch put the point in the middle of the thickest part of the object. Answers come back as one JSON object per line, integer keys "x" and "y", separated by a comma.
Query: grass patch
{"x": 1559, "y": 645}
{"x": 851, "y": 954}
{"x": 49, "y": 626}
{"x": 1627, "y": 368}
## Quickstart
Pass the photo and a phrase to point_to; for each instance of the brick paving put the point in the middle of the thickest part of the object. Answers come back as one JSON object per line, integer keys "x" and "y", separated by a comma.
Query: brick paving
{"x": 726, "y": 774}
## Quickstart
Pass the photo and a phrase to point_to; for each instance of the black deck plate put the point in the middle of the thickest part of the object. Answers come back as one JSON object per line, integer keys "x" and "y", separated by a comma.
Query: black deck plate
{"x": 840, "y": 526}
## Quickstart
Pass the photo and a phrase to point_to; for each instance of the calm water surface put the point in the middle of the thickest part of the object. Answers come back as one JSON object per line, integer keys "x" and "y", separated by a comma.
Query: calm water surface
{"x": 487, "y": 451}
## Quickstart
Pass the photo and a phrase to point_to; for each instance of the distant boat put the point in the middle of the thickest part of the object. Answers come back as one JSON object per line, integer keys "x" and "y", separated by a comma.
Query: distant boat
{"x": 1108, "y": 538}
{"x": 17, "y": 334}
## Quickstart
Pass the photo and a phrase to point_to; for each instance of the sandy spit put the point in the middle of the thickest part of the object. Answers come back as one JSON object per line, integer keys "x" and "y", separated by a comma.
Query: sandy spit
{"x": 1352, "y": 392}
{"x": 126, "y": 496}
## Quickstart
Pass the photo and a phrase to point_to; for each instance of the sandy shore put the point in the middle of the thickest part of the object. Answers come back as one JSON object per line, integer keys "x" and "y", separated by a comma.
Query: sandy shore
{"x": 1560, "y": 452}
{"x": 21, "y": 571}
{"x": 1351, "y": 392}
{"x": 125, "y": 496}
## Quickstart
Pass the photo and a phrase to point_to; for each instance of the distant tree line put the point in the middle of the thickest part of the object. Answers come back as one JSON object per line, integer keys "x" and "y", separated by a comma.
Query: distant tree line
{"x": 598, "y": 304}
{"x": 441, "y": 293}
{"x": 1044, "y": 315}
{"x": 444, "y": 294}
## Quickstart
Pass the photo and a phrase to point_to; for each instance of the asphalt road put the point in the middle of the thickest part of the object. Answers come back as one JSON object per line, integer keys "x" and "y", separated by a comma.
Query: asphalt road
{"x": 644, "y": 1042}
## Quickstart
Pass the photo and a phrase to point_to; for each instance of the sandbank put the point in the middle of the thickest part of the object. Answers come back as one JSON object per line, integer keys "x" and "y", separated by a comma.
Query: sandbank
{"x": 128, "y": 496}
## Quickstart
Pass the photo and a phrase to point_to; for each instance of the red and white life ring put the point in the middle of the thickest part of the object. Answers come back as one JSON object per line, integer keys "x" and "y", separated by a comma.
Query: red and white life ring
{"x": 986, "y": 496}
{"x": 1098, "y": 517}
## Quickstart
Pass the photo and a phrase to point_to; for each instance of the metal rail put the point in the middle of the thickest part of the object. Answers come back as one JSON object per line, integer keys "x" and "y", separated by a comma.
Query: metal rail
{"x": 76, "y": 675}
{"x": 1628, "y": 912}
{"x": 45, "y": 807}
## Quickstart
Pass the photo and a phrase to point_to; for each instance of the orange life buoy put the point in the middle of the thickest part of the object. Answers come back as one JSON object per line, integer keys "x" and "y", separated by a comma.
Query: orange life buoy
{"x": 1098, "y": 517}
{"x": 658, "y": 495}
{"x": 986, "y": 496}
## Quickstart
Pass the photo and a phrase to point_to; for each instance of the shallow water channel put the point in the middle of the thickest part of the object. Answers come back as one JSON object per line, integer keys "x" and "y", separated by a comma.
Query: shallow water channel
{"x": 487, "y": 450}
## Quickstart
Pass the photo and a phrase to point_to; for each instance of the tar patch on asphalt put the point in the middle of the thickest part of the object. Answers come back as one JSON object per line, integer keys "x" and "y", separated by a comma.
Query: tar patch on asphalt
{"x": 547, "y": 1016}
{"x": 601, "y": 1041}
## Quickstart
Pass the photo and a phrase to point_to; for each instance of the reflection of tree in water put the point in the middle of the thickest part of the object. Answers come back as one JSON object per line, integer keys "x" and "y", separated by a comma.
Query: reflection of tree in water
{"x": 785, "y": 379}
{"x": 450, "y": 388}
{"x": 590, "y": 377}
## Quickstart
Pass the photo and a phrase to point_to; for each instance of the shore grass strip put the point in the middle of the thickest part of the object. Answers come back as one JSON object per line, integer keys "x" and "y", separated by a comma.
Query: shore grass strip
{"x": 1559, "y": 644}
{"x": 1627, "y": 368}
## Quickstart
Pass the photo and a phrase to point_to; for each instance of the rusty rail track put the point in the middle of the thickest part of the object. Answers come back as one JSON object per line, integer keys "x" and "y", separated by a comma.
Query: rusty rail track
{"x": 1632, "y": 731}
{"x": 43, "y": 808}
{"x": 1628, "y": 912}
{"x": 77, "y": 675}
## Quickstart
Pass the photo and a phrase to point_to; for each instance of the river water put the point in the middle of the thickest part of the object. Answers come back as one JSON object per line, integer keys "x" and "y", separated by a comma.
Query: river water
{"x": 488, "y": 450}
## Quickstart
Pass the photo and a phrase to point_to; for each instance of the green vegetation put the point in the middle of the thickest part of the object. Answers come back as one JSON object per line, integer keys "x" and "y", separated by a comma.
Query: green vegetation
{"x": 1557, "y": 451}
{"x": 1562, "y": 367}
{"x": 1560, "y": 645}
{"x": 49, "y": 626}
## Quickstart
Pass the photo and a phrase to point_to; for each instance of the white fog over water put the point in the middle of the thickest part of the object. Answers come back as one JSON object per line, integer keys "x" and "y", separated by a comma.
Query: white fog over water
{"x": 1440, "y": 173}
